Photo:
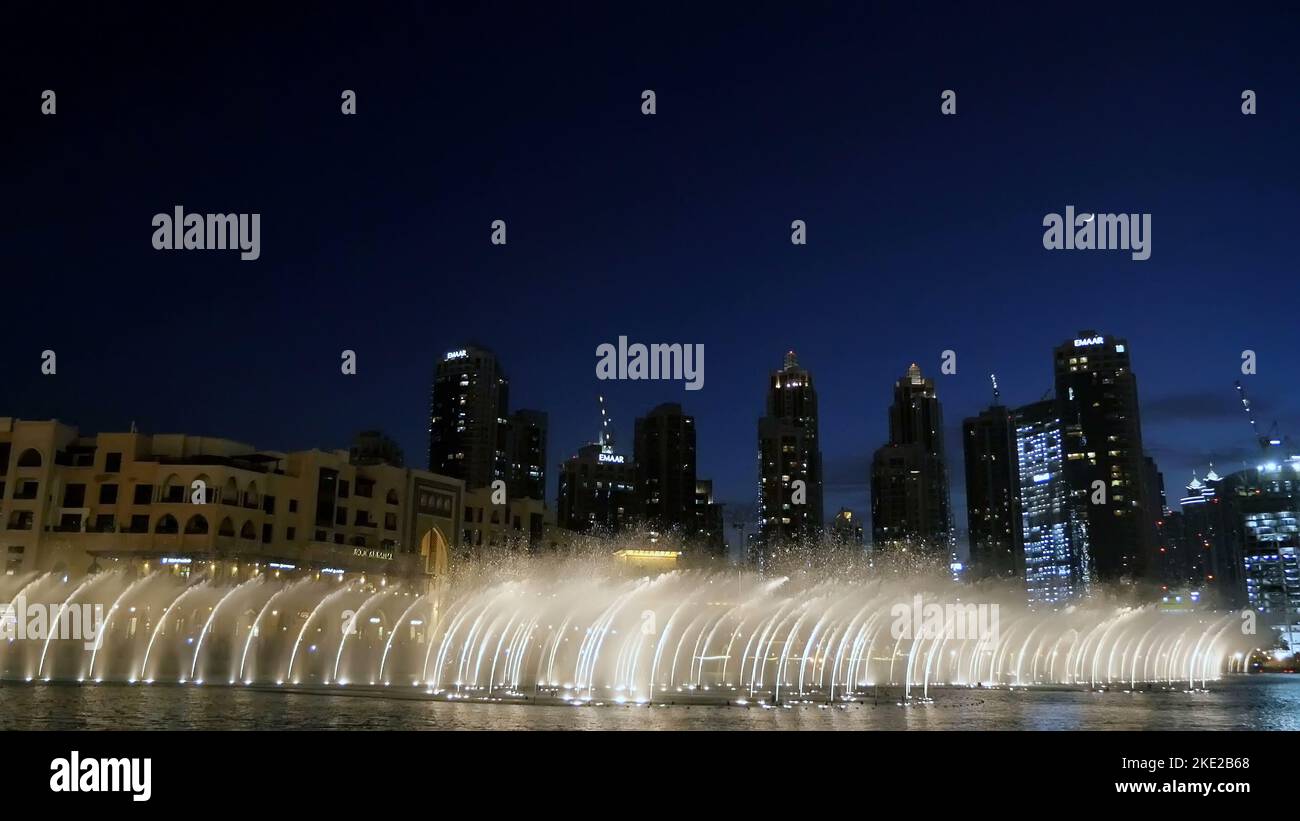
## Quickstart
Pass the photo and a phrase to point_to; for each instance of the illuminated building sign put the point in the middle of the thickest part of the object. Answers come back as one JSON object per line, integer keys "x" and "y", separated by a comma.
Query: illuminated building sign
{"x": 173, "y": 560}
{"x": 611, "y": 458}
{"x": 367, "y": 553}
{"x": 457, "y": 355}
{"x": 1089, "y": 340}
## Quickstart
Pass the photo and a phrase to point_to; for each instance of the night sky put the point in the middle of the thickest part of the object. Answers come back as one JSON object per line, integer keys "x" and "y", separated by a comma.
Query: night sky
{"x": 924, "y": 231}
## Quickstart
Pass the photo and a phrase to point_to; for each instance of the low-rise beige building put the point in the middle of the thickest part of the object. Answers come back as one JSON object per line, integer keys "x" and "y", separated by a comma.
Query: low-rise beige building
{"x": 76, "y": 503}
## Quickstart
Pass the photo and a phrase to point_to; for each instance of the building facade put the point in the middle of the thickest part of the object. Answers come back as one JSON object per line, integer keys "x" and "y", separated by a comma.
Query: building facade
{"x": 1053, "y": 522}
{"x": 597, "y": 491}
{"x": 846, "y": 530}
{"x": 910, "y": 502}
{"x": 525, "y": 452}
{"x": 74, "y": 502}
{"x": 467, "y": 406}
{"x": 790, "y": 460}
{"x": 1264, "y": 530}
{"x": 1097, "y": 398}
{"x": 993, "y": 494}
{"x": 520, "y": 524}
{"x": 708, "y": 533}
{"x": 664, "y": 453}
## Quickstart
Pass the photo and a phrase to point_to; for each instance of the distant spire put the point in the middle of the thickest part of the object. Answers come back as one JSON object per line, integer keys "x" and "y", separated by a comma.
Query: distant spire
{"x": 1196, "y": 483}
{"x": 914, "y": 374}
{"x": 1212, "y": 476}
{"x": 606, "y": 437}
{"x": 791, "y": 361}
{"x": 997, "y": 395}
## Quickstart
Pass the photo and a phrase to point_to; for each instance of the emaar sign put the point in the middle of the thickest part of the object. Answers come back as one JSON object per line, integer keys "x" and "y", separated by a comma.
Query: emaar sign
{"x": 1089, "y": 340}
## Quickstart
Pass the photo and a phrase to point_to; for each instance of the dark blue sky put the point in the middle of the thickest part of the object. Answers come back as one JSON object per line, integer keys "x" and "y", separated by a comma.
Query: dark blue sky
{"x": 925, "y": 232}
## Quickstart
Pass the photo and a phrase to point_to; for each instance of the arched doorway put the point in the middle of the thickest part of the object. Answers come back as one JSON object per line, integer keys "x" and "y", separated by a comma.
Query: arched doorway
{"x": 433, "y": 547}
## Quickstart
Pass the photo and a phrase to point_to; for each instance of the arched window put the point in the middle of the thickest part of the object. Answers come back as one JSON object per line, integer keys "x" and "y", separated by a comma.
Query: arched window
{"x": 209, "y": 492}
{"x": 230, "y": 492}
{"x": 248, "y": 531}
{"x": 227, "y": 527}
{"x": 167, "y": 524}
{"x": 30, "y": 458}
{"x": 196, "y": 526}
{"x": 391, "y": 498}
{"x": 173, "y": 491}
{"x": 250, "y": 496}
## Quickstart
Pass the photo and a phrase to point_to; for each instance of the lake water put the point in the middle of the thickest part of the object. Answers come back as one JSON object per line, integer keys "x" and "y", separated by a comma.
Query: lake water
{"x": 1259, "y": 702}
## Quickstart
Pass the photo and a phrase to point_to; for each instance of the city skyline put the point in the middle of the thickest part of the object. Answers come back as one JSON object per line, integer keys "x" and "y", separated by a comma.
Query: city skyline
{"x": 924, "y": 232}
{"x": 831, "y": 366}
{"x": 835, "y": 493}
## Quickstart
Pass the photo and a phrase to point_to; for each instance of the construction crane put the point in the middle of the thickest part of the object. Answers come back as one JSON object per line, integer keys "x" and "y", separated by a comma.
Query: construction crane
{"x": 1267, "y": 441}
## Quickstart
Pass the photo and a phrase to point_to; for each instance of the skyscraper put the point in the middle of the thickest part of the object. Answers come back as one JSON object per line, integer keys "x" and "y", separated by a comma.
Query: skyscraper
{"x": 910, "y": 507}
{"x": 468, "y": 400}
{"x": 1207, "y": 540}
{"x": 664, "y": 450}
{"x": 597, "y": 489}
{"x": 993, "y": 494}
{"x": 708, "y": 532}
{"x": 1097, "y": 399}
{"x": 1053, "y": 520}
{"x": 1264, "y": 521}
{"x": 525, "y": 452}
{"x": 846, "y": 530}
{"x": 789, "y": 452}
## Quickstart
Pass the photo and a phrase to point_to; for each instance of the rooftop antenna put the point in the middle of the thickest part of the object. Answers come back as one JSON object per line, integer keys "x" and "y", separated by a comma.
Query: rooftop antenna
{"x": 997, "y": 395}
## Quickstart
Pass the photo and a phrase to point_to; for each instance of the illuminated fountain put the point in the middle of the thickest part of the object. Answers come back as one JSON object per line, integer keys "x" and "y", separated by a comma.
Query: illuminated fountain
{"x": 558, "y": 633}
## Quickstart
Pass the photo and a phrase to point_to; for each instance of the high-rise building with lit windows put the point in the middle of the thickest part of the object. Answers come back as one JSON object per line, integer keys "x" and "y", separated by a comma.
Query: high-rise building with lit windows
{"x": 910, "y": 505}
{"x": 992, "y": 494}
{"x": 1205, "y": 544}
{"x": 597, "y": 490}
{"x": 525, "y": 454}
{"x": 467, "y": 406}
{"x": 1264, "y": 528}
{"x": 789, "y": 452}
{"x": 1053, "y": 522}
{"x": 664, "y": 450}
{"x": 1097, "y": 403}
